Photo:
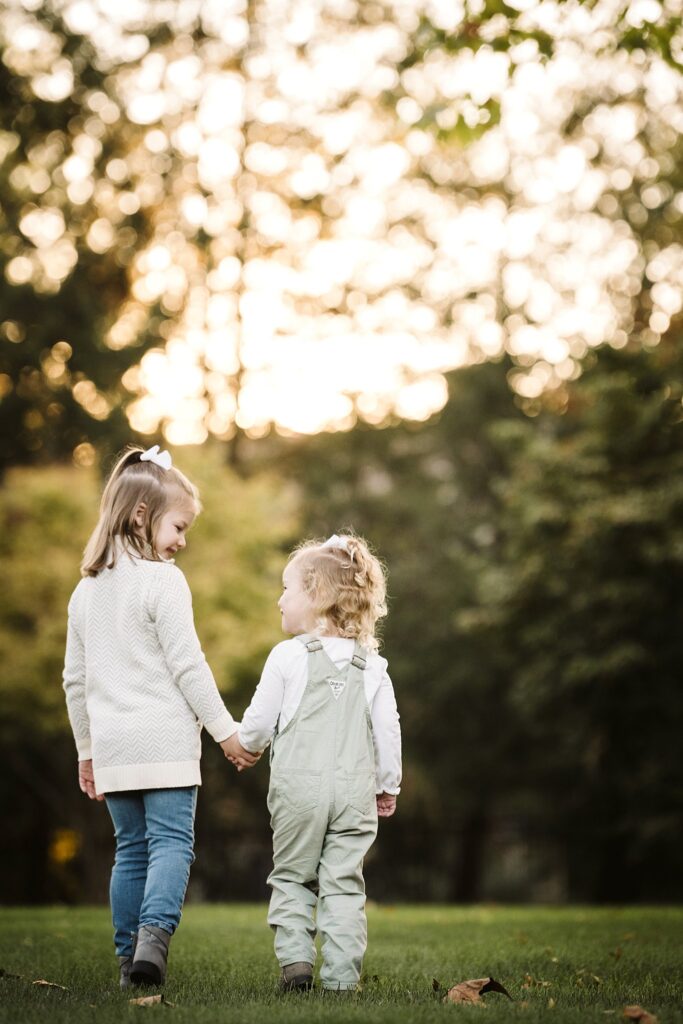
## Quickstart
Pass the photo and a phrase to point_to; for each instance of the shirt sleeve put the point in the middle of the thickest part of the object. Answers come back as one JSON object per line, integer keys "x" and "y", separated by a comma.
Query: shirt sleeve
{"x": 260, "y": 718}
{"x": 387, "y": 738}
{"x": 74, "y": 682}
{"x": 172, "y": 615}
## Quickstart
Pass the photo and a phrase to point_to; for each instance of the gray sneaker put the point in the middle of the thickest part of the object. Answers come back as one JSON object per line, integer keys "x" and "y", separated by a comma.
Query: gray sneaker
{"x": 151, "y": 954}
{"x": 296, "y": 977}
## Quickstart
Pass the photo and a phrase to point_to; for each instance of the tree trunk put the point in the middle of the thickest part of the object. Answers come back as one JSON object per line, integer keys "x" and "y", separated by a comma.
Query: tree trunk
{"x": 469, "y": 869}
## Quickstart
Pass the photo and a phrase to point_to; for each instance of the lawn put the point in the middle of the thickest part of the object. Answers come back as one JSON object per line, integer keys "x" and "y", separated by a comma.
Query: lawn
{"x": 569, "y": 964}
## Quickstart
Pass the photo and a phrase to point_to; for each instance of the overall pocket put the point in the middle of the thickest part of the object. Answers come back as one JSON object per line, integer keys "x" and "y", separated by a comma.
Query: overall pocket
{"x": 299, "y": 789}
{"x": 361, "y": 790}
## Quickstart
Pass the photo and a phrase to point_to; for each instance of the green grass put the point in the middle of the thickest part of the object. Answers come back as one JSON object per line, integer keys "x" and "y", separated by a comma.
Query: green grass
{"x": 590, "y": 962}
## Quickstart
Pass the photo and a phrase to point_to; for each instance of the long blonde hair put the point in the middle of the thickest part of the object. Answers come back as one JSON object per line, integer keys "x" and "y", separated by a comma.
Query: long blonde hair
{"x": 346, "y": 585}
{"x": 133, "y": 483}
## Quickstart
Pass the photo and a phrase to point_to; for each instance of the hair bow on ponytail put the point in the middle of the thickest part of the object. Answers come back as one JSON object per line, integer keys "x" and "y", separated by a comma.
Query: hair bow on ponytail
{"x": 153, "y": 454}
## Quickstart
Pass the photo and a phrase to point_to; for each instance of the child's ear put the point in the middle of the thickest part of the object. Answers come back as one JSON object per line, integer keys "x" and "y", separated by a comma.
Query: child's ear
{"x": 139, "y": 516}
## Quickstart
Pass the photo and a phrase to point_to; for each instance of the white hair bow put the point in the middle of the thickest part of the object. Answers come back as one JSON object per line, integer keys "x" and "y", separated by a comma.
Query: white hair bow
{"x": 338, "y": 543}
{"x": 153, "y": 454}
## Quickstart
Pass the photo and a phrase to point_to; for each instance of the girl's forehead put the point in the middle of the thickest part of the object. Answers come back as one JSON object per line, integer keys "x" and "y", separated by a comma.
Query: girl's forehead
{"x": 292, "y": 573}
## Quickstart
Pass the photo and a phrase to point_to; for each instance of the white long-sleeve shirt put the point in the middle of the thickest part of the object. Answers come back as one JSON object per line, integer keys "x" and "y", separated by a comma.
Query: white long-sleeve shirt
{"x": 138, "y": 688}
{"x": 282, "y": 686}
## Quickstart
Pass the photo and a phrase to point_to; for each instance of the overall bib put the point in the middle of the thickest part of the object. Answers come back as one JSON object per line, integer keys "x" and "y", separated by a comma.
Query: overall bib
{"x": 324, "y": 820}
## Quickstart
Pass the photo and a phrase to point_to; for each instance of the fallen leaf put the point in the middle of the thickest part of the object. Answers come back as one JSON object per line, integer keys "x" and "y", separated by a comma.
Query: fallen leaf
{"x": 150, "y": 1001}
{"x": 472, "y": 990}
{"x": 639, "y": 1014}
{"x": 531, "y": 982}
{"x": 551, "y": 1004}
{"x": 50, "y": 984}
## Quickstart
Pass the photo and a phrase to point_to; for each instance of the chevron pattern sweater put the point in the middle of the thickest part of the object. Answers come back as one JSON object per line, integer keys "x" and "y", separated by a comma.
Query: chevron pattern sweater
{"x": 138, "y": 687}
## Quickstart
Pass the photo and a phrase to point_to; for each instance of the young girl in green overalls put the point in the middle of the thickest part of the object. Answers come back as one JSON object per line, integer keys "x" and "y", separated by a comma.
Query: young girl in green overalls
{"x": 326, "y": 704}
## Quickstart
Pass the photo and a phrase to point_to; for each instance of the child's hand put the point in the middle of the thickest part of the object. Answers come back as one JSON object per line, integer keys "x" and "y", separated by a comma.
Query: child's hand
{"x": 237, "y": 755}
{"x": 86, "y": 780}
{"x": 386, "y": 804}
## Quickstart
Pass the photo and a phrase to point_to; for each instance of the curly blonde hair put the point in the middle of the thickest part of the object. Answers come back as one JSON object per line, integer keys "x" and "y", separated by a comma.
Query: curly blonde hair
{"x": 346, "y": 585}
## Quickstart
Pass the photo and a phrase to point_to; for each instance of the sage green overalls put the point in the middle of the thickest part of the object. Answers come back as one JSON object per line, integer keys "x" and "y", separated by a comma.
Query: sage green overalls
{"x": 324, "y": 819}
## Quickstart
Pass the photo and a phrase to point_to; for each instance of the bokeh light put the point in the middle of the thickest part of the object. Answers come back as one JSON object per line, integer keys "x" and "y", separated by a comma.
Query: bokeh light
{"x": 328, "y": 229}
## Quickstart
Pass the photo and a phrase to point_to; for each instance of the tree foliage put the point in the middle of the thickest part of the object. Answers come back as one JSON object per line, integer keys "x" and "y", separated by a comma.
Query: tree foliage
{"x": 202, "y": 211}
{"x": 70, "y": 221}
{"x": 533, "y": 629}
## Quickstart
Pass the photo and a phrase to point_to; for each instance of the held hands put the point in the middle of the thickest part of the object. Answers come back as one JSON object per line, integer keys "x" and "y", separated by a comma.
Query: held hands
{"x": 386, "y": 804}
{"x": 237, "y": 755}
{"x": 86, "y": 780}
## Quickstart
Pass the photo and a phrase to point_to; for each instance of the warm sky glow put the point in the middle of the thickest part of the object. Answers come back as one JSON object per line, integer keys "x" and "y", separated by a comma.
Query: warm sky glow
{"x": 320, "y": 256}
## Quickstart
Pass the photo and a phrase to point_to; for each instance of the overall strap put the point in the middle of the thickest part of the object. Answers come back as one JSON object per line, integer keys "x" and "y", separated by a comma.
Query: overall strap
{"x": 312, "y": 645}
{"x": 359, "y": 659}
{"x": 310, "y": 642}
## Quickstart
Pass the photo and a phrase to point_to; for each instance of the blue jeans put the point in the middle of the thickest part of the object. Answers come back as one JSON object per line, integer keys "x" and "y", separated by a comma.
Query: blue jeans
{"x": 154, "y": 831}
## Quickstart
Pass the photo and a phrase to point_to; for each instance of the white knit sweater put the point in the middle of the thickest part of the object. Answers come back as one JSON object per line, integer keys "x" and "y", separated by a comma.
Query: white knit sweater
{"x": 138, "y": 687}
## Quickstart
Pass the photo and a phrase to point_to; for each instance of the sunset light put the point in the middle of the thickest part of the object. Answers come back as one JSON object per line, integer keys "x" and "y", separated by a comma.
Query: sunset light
{"x": 322, "y": 257}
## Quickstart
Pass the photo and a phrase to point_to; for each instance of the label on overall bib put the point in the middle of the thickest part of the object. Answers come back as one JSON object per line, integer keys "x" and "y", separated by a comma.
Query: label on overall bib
{"x": 336, "y": 685}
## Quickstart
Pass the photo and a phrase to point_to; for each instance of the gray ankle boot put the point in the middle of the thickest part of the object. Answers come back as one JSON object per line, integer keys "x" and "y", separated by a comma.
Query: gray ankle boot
{"x": 125, "y": 964}
{"x": 151, "y": 954}
{"x": 296, "y": 977}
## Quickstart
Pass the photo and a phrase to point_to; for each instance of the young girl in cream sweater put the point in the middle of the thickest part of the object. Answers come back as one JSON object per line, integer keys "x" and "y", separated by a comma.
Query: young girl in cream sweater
{"x": 138, "y": 692}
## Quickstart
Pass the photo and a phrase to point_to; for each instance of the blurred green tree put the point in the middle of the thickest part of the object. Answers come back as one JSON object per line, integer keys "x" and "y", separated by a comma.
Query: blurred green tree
{"x": 587, "y": 601}
{"x": 418, "y": 184}
{"x": 533, "y": 634}
{"x": 70, "y": 221}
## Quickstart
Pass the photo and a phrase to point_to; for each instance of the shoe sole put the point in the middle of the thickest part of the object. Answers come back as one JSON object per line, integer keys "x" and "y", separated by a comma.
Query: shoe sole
{"x": 145, "y": 973}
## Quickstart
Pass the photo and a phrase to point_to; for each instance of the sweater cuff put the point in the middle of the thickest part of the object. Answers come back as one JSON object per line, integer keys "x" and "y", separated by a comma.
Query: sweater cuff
{"x": 84, "y": 748}
{"x": 221, "y": 728}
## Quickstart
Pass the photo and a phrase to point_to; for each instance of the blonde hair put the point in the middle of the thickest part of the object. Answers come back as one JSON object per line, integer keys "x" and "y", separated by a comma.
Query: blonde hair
{"x": 346, "y": 585}
{"x": 133, "y": 483}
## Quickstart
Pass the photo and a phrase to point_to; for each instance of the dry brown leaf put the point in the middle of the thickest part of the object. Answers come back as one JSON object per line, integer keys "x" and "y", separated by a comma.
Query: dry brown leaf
{"x": 471, "y": 991}
{"x": 639, "y": 1014}
{"x": 150, "y": 1001}
{"x": 49, "y": 984}
{"x": 531, "y": 982}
